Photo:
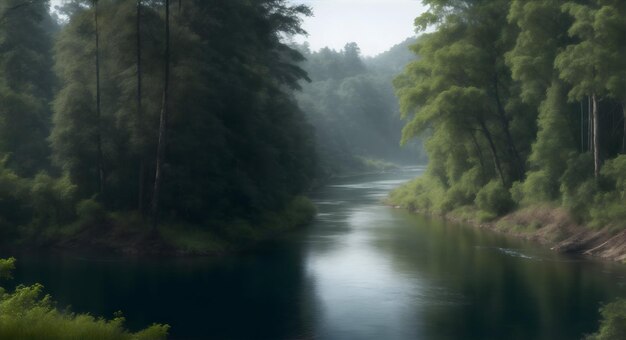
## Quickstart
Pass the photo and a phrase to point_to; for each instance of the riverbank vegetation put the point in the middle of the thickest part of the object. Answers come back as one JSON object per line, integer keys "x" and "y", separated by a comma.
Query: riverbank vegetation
{"x": 148, "y": 116}
{"x": 522, "y": 105}
{"x": 26, "y": 313}
{"x": 613, "y": 323}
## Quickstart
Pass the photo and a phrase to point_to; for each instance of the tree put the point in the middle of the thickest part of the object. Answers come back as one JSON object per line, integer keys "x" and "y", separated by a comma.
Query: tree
{"x": 593, "y": 65}
{"x": 160, "y": 157}
{"x": 26, "y": 84}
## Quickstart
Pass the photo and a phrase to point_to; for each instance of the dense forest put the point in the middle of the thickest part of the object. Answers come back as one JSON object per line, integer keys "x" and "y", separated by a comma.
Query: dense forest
{"x": 170, "y": 129}
{"x": 522, "y": 103}
{"x": 151, "y": 112}
{"x": 351, "y": 104}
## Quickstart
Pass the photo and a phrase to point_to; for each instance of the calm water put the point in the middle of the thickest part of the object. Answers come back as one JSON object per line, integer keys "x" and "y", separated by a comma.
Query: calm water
{"x": 361, "y": 271}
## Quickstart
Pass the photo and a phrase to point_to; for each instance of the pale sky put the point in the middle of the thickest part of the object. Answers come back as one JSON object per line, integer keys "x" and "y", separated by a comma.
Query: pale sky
{"x": 375, "y": 25}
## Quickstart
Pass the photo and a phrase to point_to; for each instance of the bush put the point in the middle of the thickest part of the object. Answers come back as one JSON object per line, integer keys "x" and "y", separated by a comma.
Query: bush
{"x": 615, "y": 172}
{"x": 90, "y": 211}
{"x": 6, "y": 268}
{"x": 494, "y": 198}
{"x": 28, "y": 314}
{"x": 537, "y": 188}
{"x": 613, "y": 323}
{"x": 14, "y": 201}
{"x": 52, "y": 200}
{"x": 579, "y": 171}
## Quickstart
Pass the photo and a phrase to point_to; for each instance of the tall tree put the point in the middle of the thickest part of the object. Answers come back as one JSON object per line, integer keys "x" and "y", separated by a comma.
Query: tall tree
{"x": 140, "y": 123}
{"x": 100, "y": 158}
{"x": 592, "y": 63}
{"x": 163, "y": 120}
{"x": 26, "y": 84}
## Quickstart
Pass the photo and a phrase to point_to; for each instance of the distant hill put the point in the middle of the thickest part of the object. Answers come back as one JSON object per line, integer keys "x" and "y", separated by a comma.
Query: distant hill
{"x": 394, "y": 60}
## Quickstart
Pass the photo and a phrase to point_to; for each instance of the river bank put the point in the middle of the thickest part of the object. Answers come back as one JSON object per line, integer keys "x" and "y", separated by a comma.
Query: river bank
{"x": 551, "y": 226}
{"x": 129, "y": 234}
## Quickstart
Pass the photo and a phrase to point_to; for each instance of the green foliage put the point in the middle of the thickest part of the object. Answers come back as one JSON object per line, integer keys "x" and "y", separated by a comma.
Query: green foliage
{"x": 26, "y": 84}
{"x": 351, "y": 105}
{"x": 613, "y": 323}
{"x": 494, "y": 198}
{"x": 508, "y": 108}
{"x": 28, "y": 314}
{"x": 90, "y": 211}
{"x": 609, "y": 205}
{"x": 538, "y": 187}
{"x": 615, "y": 171}
{"x": 6, "y": 268}
{"x": 577, "y": 185}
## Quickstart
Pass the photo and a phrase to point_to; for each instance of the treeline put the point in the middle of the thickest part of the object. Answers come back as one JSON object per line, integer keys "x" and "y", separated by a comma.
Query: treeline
{"x": 523, "y": 102}
{"x": 174, "y": 110}
{"x": 351, "y": 104}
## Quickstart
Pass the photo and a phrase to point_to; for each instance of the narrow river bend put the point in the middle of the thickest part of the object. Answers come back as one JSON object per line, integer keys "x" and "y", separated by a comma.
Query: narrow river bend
{"x": 361, "y": 271}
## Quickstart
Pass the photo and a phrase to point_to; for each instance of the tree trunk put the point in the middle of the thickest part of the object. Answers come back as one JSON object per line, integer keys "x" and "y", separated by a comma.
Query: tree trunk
{"x": 504, "y": 121}
{"x": 589, "y": 126}
{"x": 100, "y": 161}
{"x": 494, "y": 152}
{"x": 162, "y": 122}
{"x": 582, "y": 128}
{"x": 141, "y": 189}
{"x": 596, "y": 140}
{"x": 624, "y": 123}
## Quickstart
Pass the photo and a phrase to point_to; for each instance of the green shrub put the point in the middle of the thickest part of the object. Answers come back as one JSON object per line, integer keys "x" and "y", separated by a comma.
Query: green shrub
{"x": 494, "y": 198}
{"x": 608, "y": 210}
{"x": 28, "y": 314}
{"x": 90, "y": 211}
{"x": 615, "y": 172}
{"x": 53, "y": 200}
{"x": 14, "y": 201}
{"x": 6, "y": 268}
{"x": 538, "y": 187}
{"x": 579, "y": 171}
{"x": 613, "y": 323}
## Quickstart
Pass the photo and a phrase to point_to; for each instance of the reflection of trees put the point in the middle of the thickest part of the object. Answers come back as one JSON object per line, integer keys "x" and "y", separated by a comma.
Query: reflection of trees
{"x": 483, "y": 293}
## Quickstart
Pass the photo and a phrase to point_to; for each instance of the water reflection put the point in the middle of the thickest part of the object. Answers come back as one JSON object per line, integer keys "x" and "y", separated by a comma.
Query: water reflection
{"x": 361, "y": 271}
{"x": 384, "y": 273}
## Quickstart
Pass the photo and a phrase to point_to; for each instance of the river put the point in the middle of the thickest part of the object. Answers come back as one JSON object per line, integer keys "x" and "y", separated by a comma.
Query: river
{"x": 360, "y": 271}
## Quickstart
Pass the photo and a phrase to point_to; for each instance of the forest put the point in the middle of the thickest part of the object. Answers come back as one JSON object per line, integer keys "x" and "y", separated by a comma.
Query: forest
{"x": 523, "y": 105}
{"x": 136, "y": 116}
{"x": 196, "y": 165}
{"x": 352, "y": 107}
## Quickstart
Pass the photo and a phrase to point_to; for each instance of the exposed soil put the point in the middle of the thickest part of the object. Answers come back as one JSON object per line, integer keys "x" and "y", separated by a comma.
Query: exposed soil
{"x": 555, "y": 228}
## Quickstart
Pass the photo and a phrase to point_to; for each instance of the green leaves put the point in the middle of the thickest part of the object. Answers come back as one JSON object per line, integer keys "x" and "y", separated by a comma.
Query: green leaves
{"x": 6, "y": 268}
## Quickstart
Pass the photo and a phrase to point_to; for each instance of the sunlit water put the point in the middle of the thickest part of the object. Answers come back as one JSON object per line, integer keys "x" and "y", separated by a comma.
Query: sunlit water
{"x": 360, "y": 271}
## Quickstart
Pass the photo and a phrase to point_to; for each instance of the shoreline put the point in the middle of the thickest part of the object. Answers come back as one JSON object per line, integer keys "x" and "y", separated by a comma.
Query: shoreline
{"x": 552, "y": 227}
{"x": 130, "y": 236}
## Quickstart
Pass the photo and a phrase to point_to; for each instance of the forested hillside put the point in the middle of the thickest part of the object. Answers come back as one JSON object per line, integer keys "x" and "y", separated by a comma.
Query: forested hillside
{"x": 523, "y": 104}
{"x": 179, "y": 112}
{"x": 351, "y": 104}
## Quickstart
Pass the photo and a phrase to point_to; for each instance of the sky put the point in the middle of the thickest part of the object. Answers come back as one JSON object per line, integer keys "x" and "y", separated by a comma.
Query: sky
{"x": 375, "y": 25}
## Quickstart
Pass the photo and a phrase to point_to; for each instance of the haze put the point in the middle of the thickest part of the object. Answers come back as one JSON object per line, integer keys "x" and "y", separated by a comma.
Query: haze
{"x": 375, "y": 25}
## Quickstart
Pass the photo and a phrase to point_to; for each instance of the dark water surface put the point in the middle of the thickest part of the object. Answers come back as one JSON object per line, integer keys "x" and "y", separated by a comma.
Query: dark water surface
{"x": 361, "y": 271}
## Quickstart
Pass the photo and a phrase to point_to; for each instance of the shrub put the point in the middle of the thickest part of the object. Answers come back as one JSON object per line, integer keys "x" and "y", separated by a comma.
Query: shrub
{"x": 52, "y": 199}
{"x": 90, "y": 211}
{"x": 615, "y": 172}
{"x": 6, "y": 268}
{"x": 613, "y": 323}
{"x": 494, "y": 198}
{"x": 538, "y": 187}
{"x": 28, "y": 314}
